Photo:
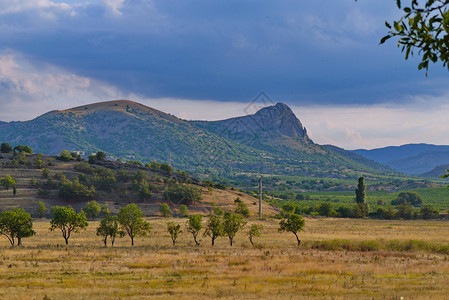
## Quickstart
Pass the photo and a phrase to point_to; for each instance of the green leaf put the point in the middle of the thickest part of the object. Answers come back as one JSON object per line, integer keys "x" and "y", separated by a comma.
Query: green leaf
{"x": 385, "y": 38}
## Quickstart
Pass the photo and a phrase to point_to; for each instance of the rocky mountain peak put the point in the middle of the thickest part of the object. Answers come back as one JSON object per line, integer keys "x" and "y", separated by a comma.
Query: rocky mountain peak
{"x": 280, "y": 118}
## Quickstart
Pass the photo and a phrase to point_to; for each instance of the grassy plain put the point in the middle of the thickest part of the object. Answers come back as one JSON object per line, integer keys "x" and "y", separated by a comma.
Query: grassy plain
{"x": 276, "y": 268}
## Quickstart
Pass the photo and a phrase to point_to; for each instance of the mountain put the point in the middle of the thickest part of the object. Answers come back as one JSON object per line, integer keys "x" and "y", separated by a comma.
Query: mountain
{"x": 1, "y": 122}
{"x": 272, "y": 141}
{"x": 437, "y": 171}
{"x": 412, "y": 159}
{"x": 359, "y": 158}
{"x": 274, "y": 129}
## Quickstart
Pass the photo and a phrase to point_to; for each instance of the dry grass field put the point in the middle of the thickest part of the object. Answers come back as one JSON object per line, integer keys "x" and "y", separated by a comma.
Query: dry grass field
{"x": 276, "y": 268}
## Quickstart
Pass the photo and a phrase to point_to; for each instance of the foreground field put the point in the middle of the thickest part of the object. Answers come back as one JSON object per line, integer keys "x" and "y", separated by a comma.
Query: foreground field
{"x": 417, "y": 267}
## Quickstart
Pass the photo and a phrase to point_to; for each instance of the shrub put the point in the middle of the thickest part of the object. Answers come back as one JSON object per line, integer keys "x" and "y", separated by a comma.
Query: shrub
{"x": 41, "y": 208}
{"x": 6, "y": 148}
{"x": 22, "y": 148}
{"x": 164, "y": 209}
{"x": 84, "y": 168}
{"x": 76, "y": 190}
{"x": 407, "y": 197}
{"x": 183, "y": 210}
{"x": 242, "y": 209}
{"x": 65, "y": 155}
{"x": 8, "y": 182}
{"x": 183, "y": 194}
{"x": 92, "y": 209}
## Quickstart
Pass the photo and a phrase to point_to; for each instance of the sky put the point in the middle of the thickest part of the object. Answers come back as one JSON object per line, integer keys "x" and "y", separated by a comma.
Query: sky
{"x": 209, "y": 60}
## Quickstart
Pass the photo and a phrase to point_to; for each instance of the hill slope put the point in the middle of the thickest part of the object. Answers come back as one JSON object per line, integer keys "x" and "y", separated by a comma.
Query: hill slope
{"x": 273, "y": 141}
{"x": 116, "y": 184}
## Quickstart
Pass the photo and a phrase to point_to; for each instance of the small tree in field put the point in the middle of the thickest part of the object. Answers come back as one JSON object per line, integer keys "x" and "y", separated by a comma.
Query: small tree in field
{"x": 109, "y": 227}
{"x": 164, "y": 209}
{"x": 214, "y": 227}
{"x": 174, "y": 230}
{"x": 41, "y": 208}
{"x": 67, "y": 220}
{"x": 131, "y": 220}
{"x": 360, "y": 199}
{"x": 194, "y": 226}
{"x": 16, "y": 223}
{"x": 293, "y": 224}
{"x": 231, "y": 225}
{"x": 254, "y": 230}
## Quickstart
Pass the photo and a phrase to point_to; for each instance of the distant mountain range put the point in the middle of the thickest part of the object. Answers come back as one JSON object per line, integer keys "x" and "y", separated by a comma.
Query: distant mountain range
{"x": 416, "y": 159}
{"x": 272, "y": 141}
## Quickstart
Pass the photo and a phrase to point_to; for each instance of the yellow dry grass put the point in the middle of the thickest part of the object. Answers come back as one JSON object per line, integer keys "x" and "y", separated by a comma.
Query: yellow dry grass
{"x": 275, "y": 269}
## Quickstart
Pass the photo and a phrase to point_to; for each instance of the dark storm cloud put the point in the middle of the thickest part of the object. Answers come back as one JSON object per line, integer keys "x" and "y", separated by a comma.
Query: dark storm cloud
{"x": 302, "y": 52}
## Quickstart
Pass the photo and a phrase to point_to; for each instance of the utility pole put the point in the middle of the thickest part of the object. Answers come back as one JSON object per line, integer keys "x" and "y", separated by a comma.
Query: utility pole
{"x": 260, "y": 199}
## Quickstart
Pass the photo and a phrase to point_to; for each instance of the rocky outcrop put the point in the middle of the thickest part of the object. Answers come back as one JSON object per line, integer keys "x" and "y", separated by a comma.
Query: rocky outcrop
{"x": 277, "y": 120}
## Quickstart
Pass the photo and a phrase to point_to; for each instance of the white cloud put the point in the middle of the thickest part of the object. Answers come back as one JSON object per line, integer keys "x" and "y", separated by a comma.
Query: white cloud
{"x": 16, "y": 6}
{"x": 115, "y": 6}
{"x": 29, "y": 89}
{"x": 379, "y": 125}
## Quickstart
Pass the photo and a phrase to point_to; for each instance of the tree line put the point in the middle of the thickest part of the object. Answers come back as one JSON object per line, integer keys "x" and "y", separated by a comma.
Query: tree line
{"x": 17, "y": 224}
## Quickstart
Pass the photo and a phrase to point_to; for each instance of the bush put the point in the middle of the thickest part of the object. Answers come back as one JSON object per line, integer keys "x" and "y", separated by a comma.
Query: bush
{"x": 218, "y": 211}
{"x": 325, "y": 209}
{"x": 183, "y": 210}
{"x": 65, "y": 155}
{"x": 76, "y": 190}
{"x": 92, "y": 209}
{"x": 22, "y": 148}
{"x": 167, "y": 168}
{"x": 8, "y": 182}
{"x": 408, "y": 197}
{"x": 6, "y": 148}
{"x": 183, "y": 194}
{"x": 84, "y": 168}
{"x": 242, "y": 209}
{"x": 164, "y": 209}
{"x": 100, "y": 156}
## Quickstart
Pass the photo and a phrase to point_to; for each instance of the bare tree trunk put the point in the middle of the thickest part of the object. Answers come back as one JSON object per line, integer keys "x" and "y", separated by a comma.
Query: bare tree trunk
{"x": 194, "y": 238}
{"x": 297, "y": 238}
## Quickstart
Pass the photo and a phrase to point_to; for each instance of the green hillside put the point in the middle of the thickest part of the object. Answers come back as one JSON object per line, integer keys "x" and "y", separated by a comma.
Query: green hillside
{"x": 274, "y": 143}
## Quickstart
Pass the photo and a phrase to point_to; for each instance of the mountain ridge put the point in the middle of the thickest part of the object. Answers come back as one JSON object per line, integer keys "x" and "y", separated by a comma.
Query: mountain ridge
{"x": 414, "y": 159}
{"x": 273, "y": 140}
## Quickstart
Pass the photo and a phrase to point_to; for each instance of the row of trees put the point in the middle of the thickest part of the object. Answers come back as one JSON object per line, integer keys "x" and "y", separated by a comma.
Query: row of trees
{"x": 17, "y": 224}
